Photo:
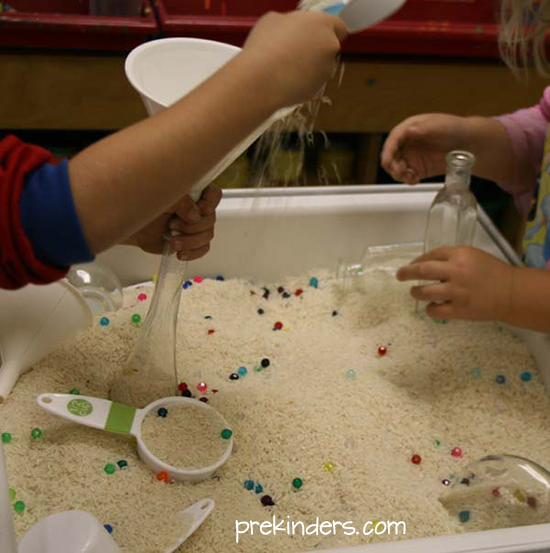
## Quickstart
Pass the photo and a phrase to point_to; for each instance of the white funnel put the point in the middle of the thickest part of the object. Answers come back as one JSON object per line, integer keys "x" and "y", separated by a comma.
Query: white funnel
{"x": 165, "y": 70}
{"x": 33, "y": 322}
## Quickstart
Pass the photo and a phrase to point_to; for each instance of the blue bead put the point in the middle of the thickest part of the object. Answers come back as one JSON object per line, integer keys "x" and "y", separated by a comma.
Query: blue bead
{"x": 464, "y": 516}
{"x": 501, "y": 379}
{"x": 313, "y": 282}
{"x": 104, "y": 321}
{"x": 186, "y": 284}
{"x": 162, "y": 412}
{"x": 249, "y": 485}
{"x": 242, "y": 371}
{"x": 259, "y": 489}
{"x": 108, "y": 527}
{"x": 526, "y": 376}
{"x": 220, "y": 278}
{"x": 208, "y": 317}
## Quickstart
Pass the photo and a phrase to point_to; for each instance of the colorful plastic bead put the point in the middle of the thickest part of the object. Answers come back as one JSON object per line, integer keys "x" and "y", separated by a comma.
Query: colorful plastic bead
{"x": 142, "y": 297}
{"x": 437, "y": 443}
{"x": 6, "y": 438}
{"x": 214, "y": 391}
{"x": 226, "y": 433}
{"x": 249, "y": 485}
{"x": 182, "y": 386}
{"x": 198, "y": 279}
{"x": 19, "y": 506}
{"x": 329, "y": 466}
{"x": 208, "y": 317}
{"x": 243, "y": 371}
{"x": 203, "y": 399}
{"x": 334, "y": 313}
{"x": 464, "y": 516}
{"x": 187, "y": 284}
{"x": 261, "y": 311}
{"x": 286, "y": 295}
{"x": 416, "y": 459}
{"x": 465, "y": 481}
{"x": 136, "y": 318}
{"x": 277, "y": 326}
{"x": 526, "y": 376}
{"x": 456, "y": 452}
{"x": 211, "y": 331}
{"x": 186, "y": 393}
{"x": 267, "y": 501}
{"x": 382, "y": 350}
{"x": 351, "y": 375}
{"x": 500, "y": 379}
{"x": 297, "y": 483}
{"x": 109, "y": 468}
{"x": 162, "y": 476}
{"x": 266, "y": 293}
{"x": 233, "y": 376}
{"x": 221, "y": 278}
{"x": 446, "y": 482}
{"x": 265, "y": 362}
{"x": 259, "y": 489}
{"x": 298, "y": 292}
{"x": 75, "y": 392}
{"x": 36, "y": 433}
{"x": 162, "y": 412}
{"x": 108, "y": 527}
{"x": 496, "y": 492}
{"x": 532, "y": 502}
{"x": 313, "y": 282}
{"x": 122, "y": 464}
{"x": 104, "y": 321}
{"x": 12, "y": 494}
{"x": 202, "y": 386}
{"x": 280, "y": 289}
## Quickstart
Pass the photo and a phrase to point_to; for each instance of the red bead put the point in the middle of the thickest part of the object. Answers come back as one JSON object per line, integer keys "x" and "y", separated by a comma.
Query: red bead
{"x": 202, "y": 386}
{"x": 182, "y": 386}
{"x": 162, "y": 476}
{"x": 280, "y": 289}
{"x": 456, "y": 452}
{"x": 203, "y": 399}
{"x": 298, "y": 292}
{"x": 214, "y": 391}
{"x": 278, "y": 326}
{"x": 142, "y": 297}
{"x": 495, "y": 492}
{"x": 416, "y": 459}
{"x": 382, "y": 350}
{"x": 211, "y": 331}
{"x": 532, "y": 502}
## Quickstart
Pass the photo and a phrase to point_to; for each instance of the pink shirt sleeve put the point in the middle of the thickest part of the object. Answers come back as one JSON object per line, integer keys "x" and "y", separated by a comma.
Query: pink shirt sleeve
{"x": 527, "y": 131}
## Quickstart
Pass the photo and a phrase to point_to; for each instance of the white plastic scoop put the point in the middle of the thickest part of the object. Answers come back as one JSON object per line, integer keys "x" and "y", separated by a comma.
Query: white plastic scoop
{"x": 357, "y": 14}
{"x": 124, "y": 419}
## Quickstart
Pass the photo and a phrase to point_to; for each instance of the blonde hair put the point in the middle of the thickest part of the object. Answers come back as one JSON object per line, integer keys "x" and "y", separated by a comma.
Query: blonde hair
{"x": 522, "y": 34}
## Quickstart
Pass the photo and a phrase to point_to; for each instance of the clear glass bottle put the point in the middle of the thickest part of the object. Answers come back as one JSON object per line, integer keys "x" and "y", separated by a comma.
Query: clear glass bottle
{"x": 453, "y": 213}
{"x": 150, "y": 372}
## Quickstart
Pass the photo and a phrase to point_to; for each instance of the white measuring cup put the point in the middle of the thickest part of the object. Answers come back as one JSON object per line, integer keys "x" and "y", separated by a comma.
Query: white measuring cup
{"x": 124, "y": 419}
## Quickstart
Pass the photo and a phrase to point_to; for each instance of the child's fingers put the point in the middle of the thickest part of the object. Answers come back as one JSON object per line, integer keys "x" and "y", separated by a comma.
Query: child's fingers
{"x": 439, "y": 254}
{"x": 428, "y": 270}
{"x": 205, "y": 223}
{"x": 187, "y": 210}
{"x": 190, "y": 255}
{"x": 192, "y": 241}
{"x": 210, "y": 200}
{"x": 438, "y": 293}
{"x": 441, "y": 311}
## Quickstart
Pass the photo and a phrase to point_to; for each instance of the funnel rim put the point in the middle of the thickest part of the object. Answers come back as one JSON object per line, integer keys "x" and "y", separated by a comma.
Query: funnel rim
{"x": 136, "y": 52}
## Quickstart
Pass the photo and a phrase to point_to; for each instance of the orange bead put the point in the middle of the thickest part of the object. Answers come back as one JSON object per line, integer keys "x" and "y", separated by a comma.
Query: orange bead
{"x": 162, "y": 476}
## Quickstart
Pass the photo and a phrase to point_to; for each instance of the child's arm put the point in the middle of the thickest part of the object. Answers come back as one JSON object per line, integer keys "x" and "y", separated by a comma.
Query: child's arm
{"x": 123, "y": 181}
{"x": 475, "y": 285}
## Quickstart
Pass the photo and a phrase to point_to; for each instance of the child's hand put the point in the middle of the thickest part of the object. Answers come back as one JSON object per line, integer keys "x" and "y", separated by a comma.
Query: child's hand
{"x": 416, "y": 148}
{"x": 473, "y": 285}
{"x": 296, "y": 52}
{"x": 194, "y": 221}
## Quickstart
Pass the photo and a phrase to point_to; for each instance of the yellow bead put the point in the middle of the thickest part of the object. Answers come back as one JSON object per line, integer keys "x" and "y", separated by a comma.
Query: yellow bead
{"x": 329, "y": 466}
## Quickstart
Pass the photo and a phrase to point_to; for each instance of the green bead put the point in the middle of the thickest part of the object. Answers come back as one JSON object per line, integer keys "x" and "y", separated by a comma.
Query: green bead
{"x": 351, "y": 375}
{"x": 297, "y": 483}
{"x": 6, "y": 438}
{"x": 19, "y": 506}
{"x": 226, "y": 433}
{"x": 12, "y": 494}
{"x": 437, "y": 443}
{"x": 109, "y": 468}
{"x": 75, "y": 392}
{"x": 122, "y": 464}
{"x": 136, "y": 318}
{"x": 464, "y": 516}
{"x": 36, "y": 433}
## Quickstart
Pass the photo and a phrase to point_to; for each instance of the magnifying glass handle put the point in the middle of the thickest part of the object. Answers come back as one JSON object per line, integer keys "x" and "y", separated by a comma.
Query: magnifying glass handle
{"x": 92, "y": 411}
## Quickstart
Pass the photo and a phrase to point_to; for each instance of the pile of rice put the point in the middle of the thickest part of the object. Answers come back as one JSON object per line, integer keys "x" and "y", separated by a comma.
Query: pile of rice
{"x": 328, "y": 410}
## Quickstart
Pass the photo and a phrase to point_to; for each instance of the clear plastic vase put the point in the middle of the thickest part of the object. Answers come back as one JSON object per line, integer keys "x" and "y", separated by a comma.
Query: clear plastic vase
{"x": 150, "y": 372}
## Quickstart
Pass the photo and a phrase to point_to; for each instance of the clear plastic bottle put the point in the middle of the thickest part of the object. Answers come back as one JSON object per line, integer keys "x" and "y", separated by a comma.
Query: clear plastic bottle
{"x": 453, "y": 213}
{"x": 150, "y": 372}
